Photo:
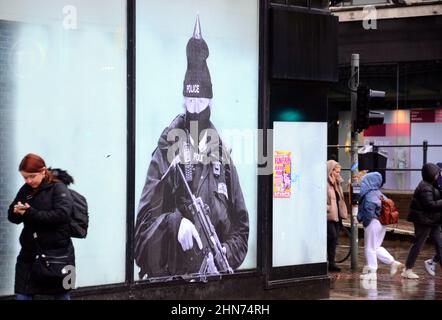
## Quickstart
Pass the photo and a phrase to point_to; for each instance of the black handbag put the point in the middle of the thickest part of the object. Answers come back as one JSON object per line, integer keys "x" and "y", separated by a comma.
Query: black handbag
{"x": 50, "y": 266}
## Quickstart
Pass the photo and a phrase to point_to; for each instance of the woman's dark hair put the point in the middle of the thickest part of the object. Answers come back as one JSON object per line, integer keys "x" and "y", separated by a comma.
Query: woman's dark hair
{"x": 33, "y": 163}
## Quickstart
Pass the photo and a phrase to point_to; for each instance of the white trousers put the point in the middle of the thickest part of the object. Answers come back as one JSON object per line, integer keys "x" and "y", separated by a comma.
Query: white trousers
{"x": 373, "y": 237}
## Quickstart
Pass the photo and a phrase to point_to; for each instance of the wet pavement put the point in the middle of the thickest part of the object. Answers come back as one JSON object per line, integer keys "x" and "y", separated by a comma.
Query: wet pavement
{"x": 346, "y": 284}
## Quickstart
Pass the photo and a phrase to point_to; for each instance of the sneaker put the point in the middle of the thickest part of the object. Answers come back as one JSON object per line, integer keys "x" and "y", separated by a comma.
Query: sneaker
{"x": 333, "y": 268}
{"x": 430, "y": 266}
{"x": 409, "y": 274}
{"x": 370, "y": 275}
{"x": 395, "y": 267}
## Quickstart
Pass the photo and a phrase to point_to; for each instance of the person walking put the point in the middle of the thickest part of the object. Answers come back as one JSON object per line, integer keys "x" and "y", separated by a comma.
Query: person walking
{"x": 374, "y": 231}
{"x": 430, "y": 264}
{"x": 336, "y": 211}
{"x": 426, "y": 215}
{"x": 43, "y": 204}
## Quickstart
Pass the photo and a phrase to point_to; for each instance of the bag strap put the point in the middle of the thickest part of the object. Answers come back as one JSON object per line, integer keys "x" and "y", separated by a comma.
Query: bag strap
{"x": 37, "y": 246}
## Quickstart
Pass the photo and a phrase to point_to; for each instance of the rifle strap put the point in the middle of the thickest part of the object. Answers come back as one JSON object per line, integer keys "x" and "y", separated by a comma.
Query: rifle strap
{"x": 226, "y": 172}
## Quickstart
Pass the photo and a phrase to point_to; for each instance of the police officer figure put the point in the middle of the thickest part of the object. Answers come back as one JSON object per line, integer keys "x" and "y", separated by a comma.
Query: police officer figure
{"x": 166, "y": 240}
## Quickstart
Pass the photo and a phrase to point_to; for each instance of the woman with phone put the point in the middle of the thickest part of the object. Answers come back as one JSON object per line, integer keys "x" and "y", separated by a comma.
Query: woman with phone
{"x": 43, "y": 204}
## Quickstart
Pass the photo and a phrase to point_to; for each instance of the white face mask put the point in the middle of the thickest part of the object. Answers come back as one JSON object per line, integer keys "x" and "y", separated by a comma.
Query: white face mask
{"x": 196, "y": 105}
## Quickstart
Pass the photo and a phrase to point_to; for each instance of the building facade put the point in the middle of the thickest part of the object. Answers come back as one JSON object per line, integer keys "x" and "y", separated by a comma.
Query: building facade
{"x": 400, "y": 48}
{"x": 91, "y": 87}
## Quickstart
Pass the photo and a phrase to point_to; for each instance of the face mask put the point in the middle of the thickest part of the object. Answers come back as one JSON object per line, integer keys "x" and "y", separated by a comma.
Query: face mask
{"x": 196, "y": 105}
{"x": 203, "y": 118}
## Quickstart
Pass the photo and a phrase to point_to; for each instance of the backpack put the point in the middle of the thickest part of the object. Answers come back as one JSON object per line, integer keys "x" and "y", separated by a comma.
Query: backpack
{"x": 389, "y": 213}
{"x": 79, "y": 215}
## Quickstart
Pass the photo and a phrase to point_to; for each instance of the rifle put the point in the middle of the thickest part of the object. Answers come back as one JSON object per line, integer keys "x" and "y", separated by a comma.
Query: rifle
{"x": 209, "y": 238}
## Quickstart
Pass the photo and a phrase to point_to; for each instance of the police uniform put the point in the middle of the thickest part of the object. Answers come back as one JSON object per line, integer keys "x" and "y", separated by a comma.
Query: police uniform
{"x": 164, "y": 200}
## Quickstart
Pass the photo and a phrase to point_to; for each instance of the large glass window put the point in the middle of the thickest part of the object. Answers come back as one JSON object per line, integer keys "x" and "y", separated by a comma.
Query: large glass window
{"x": 63, "y": 96}
{"x": 411, "y": 113}
{"x": 299, "y": 171}
{"x": 164, "y": 79}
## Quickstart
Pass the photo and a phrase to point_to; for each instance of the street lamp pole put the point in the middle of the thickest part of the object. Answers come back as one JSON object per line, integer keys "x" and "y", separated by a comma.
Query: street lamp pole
{"x": 353, "y": 83}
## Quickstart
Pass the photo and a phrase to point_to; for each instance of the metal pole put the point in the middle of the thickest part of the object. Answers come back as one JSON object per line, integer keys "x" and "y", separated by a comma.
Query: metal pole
{"x": 354, "y": 82}
{"x": 425, "y": 150}
{"x": 397, "y": 86}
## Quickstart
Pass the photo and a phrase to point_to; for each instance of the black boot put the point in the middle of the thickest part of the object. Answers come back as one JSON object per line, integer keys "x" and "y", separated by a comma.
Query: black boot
{"x": 332, "y": 267}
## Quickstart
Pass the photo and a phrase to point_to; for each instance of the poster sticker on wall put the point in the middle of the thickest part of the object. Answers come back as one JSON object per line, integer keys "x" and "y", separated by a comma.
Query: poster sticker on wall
{"x": 282, "y": 174}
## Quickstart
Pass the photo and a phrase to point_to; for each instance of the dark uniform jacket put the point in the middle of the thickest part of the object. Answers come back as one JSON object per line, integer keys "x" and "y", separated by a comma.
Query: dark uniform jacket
{"x": 163, "y": 204}
{"x": 426, "y": 205}
{"x": 49, "y": 217}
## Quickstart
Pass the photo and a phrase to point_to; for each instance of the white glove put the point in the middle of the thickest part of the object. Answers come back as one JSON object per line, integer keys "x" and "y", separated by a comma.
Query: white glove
{"x": 186, "y": 233}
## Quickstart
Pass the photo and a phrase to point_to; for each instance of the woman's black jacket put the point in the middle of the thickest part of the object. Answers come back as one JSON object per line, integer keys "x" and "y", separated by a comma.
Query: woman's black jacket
{"x": 426, "y": 205}
{"x": 49, "y": 218}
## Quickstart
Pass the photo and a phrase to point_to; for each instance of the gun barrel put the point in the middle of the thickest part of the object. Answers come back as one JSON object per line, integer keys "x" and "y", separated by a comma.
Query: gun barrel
{"x": 209, "y": 235}
{"x": 212, "y": 238}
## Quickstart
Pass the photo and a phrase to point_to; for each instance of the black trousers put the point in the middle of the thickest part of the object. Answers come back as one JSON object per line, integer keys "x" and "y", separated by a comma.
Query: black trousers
{"x": 332, "y": 240}
{"x": 421, "y": 233}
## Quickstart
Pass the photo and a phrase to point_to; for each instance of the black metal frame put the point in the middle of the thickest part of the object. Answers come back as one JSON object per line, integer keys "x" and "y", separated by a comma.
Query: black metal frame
{"x": 264, "y": 248}
{"x": 424, "y": 147}
{"x": 130, "y": 283}
{"x": 131, "y": 123}
{"x": 306, "y": 5}
{"x": 277, "y": 277}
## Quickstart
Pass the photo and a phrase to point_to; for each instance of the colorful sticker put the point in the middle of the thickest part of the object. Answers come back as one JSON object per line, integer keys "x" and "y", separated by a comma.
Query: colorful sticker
{"x": 282, "y": 170}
